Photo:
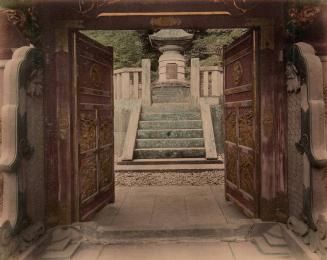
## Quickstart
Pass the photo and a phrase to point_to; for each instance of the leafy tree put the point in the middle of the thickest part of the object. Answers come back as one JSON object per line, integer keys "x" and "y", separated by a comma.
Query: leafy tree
{"x": 128, "y": 50}
{"x": 207, "y": 44}
{"x": 130, "y": 47}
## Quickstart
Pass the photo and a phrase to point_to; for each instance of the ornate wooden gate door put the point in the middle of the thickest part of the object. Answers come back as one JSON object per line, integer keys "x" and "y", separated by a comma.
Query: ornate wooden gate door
{"x": 93, "y": 126}
{"x": 242, "y": 182}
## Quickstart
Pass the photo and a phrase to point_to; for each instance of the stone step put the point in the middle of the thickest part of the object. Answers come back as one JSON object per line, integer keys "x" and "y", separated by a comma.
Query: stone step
{"x": 179, "y": 90}
{"x": 173, "y": 161}
{"x": 157, "y": 153}
{"x": 266, "y": 249}
{"x": 169, "y": 143}
{"x": 169, "y": 92}
{"x": 182, "y": 124}
{"x": 171, "y": 108}
{"x": 174, "y": 99}
{"x": 165, "y": 93}
{"x": 224, "y": 232}
{"x": 274, "y": 241}
{"x": 170, "y": 116}
{"x": 170, "y": 133}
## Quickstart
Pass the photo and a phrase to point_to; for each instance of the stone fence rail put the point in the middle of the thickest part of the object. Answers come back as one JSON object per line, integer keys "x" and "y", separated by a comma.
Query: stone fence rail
{"x": 206, "y": 81}
{"x": 133, "y": 83}
{"x": 128, "y": 83}
{"x": 211, "y": 81}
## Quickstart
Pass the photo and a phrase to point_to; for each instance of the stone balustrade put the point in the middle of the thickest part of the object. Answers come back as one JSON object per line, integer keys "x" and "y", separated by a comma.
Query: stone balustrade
{"x": 133, "y": 83}
{"x": 206, "y": 81}
{"x": 128, "y": 83}
{"x": 211, "y": 81}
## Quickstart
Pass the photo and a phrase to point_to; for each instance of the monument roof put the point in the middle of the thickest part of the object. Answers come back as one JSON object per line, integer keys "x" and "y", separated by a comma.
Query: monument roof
{"x": 170, "y": 37}
{"x": 171, "y": 34}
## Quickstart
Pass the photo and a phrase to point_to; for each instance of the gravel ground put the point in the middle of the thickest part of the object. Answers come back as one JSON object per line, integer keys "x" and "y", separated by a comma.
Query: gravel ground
{"x": 162, "y": 178}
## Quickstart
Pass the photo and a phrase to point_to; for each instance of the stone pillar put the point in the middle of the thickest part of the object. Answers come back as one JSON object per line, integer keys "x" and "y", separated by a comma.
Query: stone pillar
{"x": 125, "y": 84}
{"x": 135, "y": 87}
{"x": 205, "y": 83}
{"x": 146, "y": 82}
{"x": 195, "y": 78}
{"x": 10, "y": 39}
{"x": 119, "y": 87}
{"x": 323, "y": 59}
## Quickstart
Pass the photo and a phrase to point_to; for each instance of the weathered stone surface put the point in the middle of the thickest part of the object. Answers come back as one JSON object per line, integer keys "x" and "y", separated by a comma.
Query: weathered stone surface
{"x": 159, "y": 178}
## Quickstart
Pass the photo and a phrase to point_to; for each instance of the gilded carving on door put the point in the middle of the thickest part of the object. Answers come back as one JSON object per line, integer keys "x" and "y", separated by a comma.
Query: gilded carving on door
{"x": 246, "y": 172}
{"x": 241, "y": 121}
{"x": 88, "y": 177}
{"x": 231, "y": 164}
{"x": 88, "y": 130}
{"x": 94, "y": 175}
{"x": 230, "y": 122}
{"x": 246, "y": 127}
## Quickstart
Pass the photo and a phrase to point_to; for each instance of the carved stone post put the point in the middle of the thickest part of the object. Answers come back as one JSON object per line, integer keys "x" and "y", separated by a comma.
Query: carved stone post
{"x": 146, "y": 82}
{"x": 195, "y": 78}
{"x": 10, "y": 38}
{"x": 125, "y": 84}
{"x": 312, "y": 146}
{"x": 15, "y": 146}
{"x": 323, "y": 59}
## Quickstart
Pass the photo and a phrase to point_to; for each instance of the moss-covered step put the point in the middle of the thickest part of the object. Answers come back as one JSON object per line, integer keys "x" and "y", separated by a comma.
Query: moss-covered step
{"x": 170, "y": 116}
{"x": 169, "y": 99}
{"x": 182, "y": 124}
{"x": 170, "y": 133}
{"x": 169, "y": 143}
{"x": 170, "y": 108}
{"x": 157, "y": 153}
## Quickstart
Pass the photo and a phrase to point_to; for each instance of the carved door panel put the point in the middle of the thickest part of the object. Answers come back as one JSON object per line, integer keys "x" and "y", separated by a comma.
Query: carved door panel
{"x": 93, "y": 126}
{"x": 241, "y": 123}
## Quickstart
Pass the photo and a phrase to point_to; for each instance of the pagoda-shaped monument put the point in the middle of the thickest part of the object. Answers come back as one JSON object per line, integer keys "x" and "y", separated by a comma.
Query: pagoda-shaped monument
{"x": 171, "y": 43}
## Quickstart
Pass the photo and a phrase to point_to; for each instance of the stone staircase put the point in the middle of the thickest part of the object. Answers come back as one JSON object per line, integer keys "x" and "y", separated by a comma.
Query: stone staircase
{"x": 173, "y": 130}
{"x": 170, "y": 131}
{"x": 171, "y": 94}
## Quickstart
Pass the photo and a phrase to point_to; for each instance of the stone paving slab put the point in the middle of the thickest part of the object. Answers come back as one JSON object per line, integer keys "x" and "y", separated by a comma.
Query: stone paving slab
{"x": 189, "y": 251}
{"x": 88, "y": 252}
{"x": 160, "y": 207}
{"x": 175, "y": 251}
{"x": 248, "y": 251}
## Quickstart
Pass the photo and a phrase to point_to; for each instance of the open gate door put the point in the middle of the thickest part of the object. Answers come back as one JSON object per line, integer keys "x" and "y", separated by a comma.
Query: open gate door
{"x": 242, "y": 183}
{"x": 93, "y": 126}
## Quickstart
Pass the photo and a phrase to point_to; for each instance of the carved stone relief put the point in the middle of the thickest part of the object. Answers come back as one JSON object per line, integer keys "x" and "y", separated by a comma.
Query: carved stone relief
{"x": 34, "y": 86}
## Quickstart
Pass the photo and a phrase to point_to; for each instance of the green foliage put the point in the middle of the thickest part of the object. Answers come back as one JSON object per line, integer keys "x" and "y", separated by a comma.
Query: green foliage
{"x": 130, "y": 47}
{"x": 13, "y": 4}
{"x": 207, "y": 44}
{"x": 128, "y": 50}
